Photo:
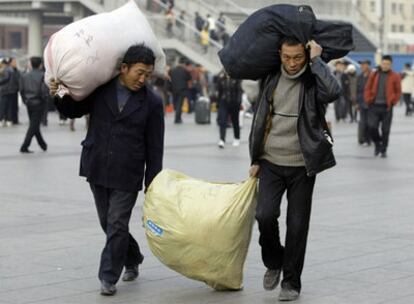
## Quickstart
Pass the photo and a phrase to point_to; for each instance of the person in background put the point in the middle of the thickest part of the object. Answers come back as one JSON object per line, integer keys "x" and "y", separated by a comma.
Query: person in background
{"x": 170, "y": 18}
{"x": 229, "y": 100}
{"x": 199, "y": 23}
{"x": 205, "y": 39}
{"x": 181, "y": 25}
{"x": 352, "y": 97}
{"x": 212, "y": 27}
{"x": 14, "y": 90}
{"x": 6, "y": 80}
{"x": 382, "y": 92}
{"x": 364, "y": 137}
{"x": 407, "y": 87}
{"x": 340, "y": 105}
{"x": 35, "y": 95}
{"x": 180, "y": 84}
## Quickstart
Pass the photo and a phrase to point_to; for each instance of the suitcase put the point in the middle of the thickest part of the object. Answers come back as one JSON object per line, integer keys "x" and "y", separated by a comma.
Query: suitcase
{"x": 202, "y": 110}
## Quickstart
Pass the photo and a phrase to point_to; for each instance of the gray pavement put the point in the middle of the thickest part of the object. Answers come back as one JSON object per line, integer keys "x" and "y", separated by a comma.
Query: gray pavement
{"x": 361, "y": 242}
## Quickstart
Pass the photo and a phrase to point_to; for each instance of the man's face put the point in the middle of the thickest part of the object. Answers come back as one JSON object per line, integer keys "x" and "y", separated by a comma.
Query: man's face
{"x": 293, "y": 58}
{"x": 386, "y": 65}
{"x": 135, "y": 76}
{"x": 364, "y": 67}
{"x": 13, "y": 63}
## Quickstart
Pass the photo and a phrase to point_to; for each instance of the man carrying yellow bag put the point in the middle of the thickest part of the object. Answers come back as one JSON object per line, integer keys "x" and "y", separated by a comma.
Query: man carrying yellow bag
{"x": 200, "y": 229}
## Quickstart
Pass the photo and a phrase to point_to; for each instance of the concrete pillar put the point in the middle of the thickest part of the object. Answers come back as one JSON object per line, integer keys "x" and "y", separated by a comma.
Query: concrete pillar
{"x": 35, "y": 33}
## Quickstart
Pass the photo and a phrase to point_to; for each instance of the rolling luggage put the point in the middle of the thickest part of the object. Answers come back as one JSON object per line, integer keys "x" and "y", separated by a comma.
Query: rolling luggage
{"x": 202, "y": 110}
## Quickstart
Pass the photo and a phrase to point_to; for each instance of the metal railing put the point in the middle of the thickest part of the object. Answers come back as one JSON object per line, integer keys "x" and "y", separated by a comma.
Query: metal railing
{"x": 187, "y": 35}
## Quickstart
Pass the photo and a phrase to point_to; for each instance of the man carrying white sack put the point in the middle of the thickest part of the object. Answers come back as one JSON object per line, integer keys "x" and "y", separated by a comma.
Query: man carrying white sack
{"x": 124, "y": 145}
{"x": 289, "y": 144}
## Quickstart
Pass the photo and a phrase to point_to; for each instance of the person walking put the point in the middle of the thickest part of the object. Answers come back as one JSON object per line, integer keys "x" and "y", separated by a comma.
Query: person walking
{"x": 35, "y": 95}
{"x": 123, "y": 148}
{"x": 6, "y": 80}
{"x": 287, "y": 152}
{"x": 407, "y": 87}
{"x": 382, "y": 92}
{"x": 352, "y": 91}
{"x": 229, "y": 101}
{"x": 341, "y": 104}
{"x": 205, "y": 39}
{"x": 170, "y": 19}
{"x": 199, "y": 23}
{"x": 181, "y": 20}
{"x": 364, "y": 137}
{"x": 14, "y": 102}
{"x": 180, "y": 83}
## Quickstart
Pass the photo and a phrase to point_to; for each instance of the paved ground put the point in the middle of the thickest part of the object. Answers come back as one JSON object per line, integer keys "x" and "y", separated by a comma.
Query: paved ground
{"x": 361, "y": 243}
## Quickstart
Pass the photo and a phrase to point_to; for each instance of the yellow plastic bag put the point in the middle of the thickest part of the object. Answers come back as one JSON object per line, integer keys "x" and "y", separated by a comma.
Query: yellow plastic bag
{"x": 201, "y": 229}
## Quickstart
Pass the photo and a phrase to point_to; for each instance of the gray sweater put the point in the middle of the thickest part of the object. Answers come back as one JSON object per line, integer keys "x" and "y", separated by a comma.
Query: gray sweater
{"x": 282, "y": 145}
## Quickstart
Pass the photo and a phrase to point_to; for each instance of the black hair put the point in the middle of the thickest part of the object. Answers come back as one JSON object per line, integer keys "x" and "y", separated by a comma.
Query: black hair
{"x": 139, "y": 53}
{"x": 7, "y": 60}
{"x": 387, "y": 57}
{"x": 183, "y": 60}
{"x": 290, "y": 41}
{"x": 407, "y": 65}
{"x": 35, "y": 62}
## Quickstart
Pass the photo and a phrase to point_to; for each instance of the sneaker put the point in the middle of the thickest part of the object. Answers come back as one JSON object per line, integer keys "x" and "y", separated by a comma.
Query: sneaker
{"x": 271, "y": 279}
{"x": 384, "y": 154}
{"x": 236, "y": 143}
{"x": 9, "y": 123}
{"x": 288, "y": 295}
{"x": 44, "y": 147}
{"x": 62, "y": 122}
{"x": 221, "y": 144}
{"x": 107, "y": 289}
{"x": 130, "y": 274}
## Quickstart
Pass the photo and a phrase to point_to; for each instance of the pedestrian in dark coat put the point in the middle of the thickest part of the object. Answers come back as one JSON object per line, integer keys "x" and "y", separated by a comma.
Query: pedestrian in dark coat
{"x": 35, "y": 95}
{"x": 289, "y": 144}
{"x": 229, "y": 101}
{"x": 122, "y": 150}
{"x": 364, "y": 137}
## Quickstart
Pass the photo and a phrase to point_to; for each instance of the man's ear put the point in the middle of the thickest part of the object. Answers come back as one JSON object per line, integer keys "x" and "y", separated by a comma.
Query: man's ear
{"x": 124, "y": 67}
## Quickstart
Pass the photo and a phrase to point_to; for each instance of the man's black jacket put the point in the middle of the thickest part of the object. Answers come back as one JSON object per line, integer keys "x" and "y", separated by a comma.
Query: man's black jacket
{"x": 319, "y": 87}
{"x": 120, "y": 148}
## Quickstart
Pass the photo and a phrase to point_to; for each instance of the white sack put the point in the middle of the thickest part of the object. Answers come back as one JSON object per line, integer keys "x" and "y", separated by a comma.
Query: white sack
{"x": 87, "y": 53}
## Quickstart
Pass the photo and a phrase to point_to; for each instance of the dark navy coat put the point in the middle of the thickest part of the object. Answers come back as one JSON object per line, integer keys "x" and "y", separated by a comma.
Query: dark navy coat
{"x": 120, "y": 148}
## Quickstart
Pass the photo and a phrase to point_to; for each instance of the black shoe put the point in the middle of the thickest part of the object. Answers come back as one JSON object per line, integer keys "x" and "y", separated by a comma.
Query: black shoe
{"x": 107, "y": 289}
{"x": 131, "y": 273}
{"x": 271, "y": 279}
{"x": 377, "y": 150}
{"x": 25, "y": 150}
{"x": 384, "y": 154}
{"x": 44, "y": 147}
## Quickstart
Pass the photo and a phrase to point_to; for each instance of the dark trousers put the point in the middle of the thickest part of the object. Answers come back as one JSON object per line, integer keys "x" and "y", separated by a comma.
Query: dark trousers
{"x": 14, "y": 109}
{"x": 407, "y": 100}
{"x": 178, "y": 105}
{"x": 226, "y": 110}
{"x": 380, "y": 115}
{"x": 364, "y": 127}
{"x": 121, "y": 249}
{"x": 5, "y": 103}
{"x": 274, "y": 181}
{"x": 35, "y": 116}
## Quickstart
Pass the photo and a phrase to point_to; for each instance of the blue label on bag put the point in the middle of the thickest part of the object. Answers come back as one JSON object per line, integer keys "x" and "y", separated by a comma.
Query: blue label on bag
{"x": 154, "y": 228}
